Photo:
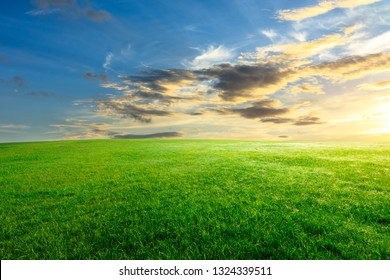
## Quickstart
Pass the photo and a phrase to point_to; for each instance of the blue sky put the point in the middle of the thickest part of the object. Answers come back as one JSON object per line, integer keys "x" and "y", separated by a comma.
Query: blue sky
{"x": 244, "y": 69}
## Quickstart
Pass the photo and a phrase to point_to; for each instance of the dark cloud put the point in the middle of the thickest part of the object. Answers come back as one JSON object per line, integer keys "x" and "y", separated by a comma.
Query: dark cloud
{"x": 16, "y": 81}
{"x": 77, "y": 129}
{"x": 144, "y": 95}
{"x": 283, "y": 136}
{"x": 238, "y": 80}
{"x": 302, "y": 120}
{"x": 154, "y": 135}
{"x": 277, "y": 120}
{"x": 307, "y": 120}
{"x": 196, "y": 113}
{"x": 260, "y": 109}
{"x": 352, "y": 67}
{"x": 71, "y": 8}
{"x": 40, "y": 93}
{"x": 97, "y": 15}
{"x": 231, "y": 81}
{"x": 4, "y": 59}
{"x": 94, "y": 128}
{"x": 131, "y": 111}
{"x": 19, "y": 81}
{"x": 355, "y": 60}
{"x": 102, "y": 77}
{"x": 154, "y": 79}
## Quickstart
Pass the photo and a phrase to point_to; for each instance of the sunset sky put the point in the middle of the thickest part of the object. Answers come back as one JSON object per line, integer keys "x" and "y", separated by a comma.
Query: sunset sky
{"x": 226, "y": 69}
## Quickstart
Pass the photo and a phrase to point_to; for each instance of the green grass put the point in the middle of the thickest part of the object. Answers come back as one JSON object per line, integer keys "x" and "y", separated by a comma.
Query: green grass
{"x": 193, "y": 199}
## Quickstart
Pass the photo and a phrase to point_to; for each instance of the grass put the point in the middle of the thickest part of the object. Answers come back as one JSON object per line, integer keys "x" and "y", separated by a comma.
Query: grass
{"x": 194, "y": 199}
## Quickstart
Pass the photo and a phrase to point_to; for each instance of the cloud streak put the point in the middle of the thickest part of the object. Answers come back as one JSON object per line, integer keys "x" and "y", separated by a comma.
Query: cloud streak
{"x": 375, "y": 86}
{"x": 321, "y": 8}
{"x": 17, "y": 81}
{"x": 259, "y": 109}
{"x": 81, "y": 129}
{"x": 128, "y": 110}
{"x": 102, "y": 77}
{"x": 153, "y": 135}
{"x": 70, "y": 8}
{"x": 307, "y": 120}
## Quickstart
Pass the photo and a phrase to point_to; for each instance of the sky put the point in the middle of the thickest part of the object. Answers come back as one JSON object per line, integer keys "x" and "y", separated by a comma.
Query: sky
{"x": 199, "y": 69}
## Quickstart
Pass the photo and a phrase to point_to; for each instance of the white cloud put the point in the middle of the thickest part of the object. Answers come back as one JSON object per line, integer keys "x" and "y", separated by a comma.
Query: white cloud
{"x": 108, "y": 60}
{"x": 13, "y": 126}
{"x": 299, "y": 36}
{"x": 380, "y": 43}
{"x": 270, "y": 34}
{"x": 211, "y": 56}
{"x": 118, "y": 56}
{"x": 126, "y": 51}
{"x": 40, "y": 12}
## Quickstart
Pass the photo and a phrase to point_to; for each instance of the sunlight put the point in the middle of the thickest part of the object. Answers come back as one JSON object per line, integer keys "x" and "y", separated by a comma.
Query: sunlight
{"x": 381, "y": 114}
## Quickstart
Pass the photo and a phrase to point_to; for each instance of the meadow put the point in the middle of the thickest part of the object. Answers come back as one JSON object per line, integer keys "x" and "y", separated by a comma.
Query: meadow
{"x": 194, "y": 199}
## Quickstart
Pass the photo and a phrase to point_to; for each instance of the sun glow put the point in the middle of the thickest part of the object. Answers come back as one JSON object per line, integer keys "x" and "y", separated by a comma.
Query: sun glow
{"x": 381, "y": 115}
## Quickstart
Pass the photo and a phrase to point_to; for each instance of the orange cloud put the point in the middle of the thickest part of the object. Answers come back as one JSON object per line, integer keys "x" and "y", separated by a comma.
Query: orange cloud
{"x": 321, "y": 8}
{"x": 375, "y": 86}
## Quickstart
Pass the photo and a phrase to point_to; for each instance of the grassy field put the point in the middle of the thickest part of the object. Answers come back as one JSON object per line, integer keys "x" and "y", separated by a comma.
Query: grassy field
{"x": 190, "y": 199}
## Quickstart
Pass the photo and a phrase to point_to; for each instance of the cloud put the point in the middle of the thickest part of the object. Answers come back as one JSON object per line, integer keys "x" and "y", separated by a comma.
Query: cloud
{"x": 83, "y": 129}
{"x": 13, "y": 126}
{"x": 300, "y": 121}
{"x": 321, "y": 8}
{"x": 270, "y": 34}
{"x": 211, "y": 56}
{"x": 377, "y": 44}
{"x": 259, "y": 109}
{"x": 108, "y": 60}
{"x": 299, "y": 52}
{"x": 299, "y": 36}
{"x": 307, "y": 120}
{"x": 238, "y": 90}
{"x": 19, "y": 81}
{"x": 375, "y": 86}
{"x": 277, "y": 120}
{"x": 96, "y": 15}
{"x": 3, "y": 59}
{"x": 116, "y": 86}
{"x": 154, "y": 135}
{"x": 126, "y": 51}
{"x": 158, "y": 79}
{"x": 16, "y": 81}
{"x": 351, "y": 67}
{"x": 147, "y": 96}
{"x": 117, "y": 56}
{"x": 40, "y": 93}
{"x": 128, "y": 110}
{"x": 247, "y": 80}
{"x": 102, "y": 77}
{"x": 306, "y": 88}
{"x": 70, "y": 8}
